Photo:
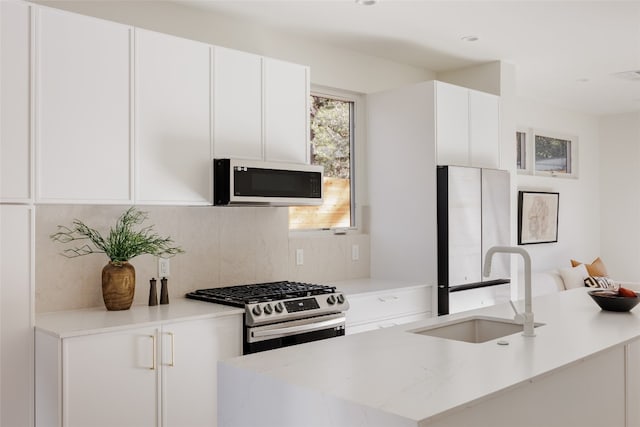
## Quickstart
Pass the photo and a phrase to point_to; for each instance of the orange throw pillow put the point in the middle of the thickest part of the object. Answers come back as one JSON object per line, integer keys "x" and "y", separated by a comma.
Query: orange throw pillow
{"x": 596, "y": 268}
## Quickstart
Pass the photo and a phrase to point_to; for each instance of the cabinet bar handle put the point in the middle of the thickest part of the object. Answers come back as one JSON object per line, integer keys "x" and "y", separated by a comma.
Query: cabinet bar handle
{"x": 153, "y": 361}
{"x": 173, "y": 352}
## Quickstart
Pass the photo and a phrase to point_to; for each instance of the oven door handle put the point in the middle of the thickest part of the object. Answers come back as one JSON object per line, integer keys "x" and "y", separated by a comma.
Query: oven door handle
{"x": 290, "y": 330}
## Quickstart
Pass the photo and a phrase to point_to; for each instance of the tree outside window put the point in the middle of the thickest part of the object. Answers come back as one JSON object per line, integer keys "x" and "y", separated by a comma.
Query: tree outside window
{"x": 331, "y": 138}
{"x": 553, "y": 154}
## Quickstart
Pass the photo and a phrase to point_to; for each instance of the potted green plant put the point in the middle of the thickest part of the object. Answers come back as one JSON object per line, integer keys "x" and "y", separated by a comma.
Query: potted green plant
{"x": 122, "y": 244}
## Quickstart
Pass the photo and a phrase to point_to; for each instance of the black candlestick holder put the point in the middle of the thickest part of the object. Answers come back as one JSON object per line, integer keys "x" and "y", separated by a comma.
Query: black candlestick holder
{"x": 164, "y": 292}
{"x": 153, "y": 292}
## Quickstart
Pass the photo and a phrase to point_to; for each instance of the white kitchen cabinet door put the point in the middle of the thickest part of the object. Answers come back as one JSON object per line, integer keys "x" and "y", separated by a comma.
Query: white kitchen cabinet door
{"x": 392, "y": 307}
{"x": 382, "y": 324}
{"x": 16, "y": 324}
{"x": 484, "y": 130}
{"x": 286, "y": 111}
{"x": 15, "y": 105}
{"x": 237, "y": 104}
{"x": 632, "y": 371}
{"x": 82, "y": 100}
{"x": 111, "y": 379}
{"x": 452, "y": 124}
{"x": 190, "y": 353}
{"x": 173, "y": 157}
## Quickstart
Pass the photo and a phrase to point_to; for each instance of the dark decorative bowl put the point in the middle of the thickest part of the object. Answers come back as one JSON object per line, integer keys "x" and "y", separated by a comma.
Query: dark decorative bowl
{"x": 610, "y": 301}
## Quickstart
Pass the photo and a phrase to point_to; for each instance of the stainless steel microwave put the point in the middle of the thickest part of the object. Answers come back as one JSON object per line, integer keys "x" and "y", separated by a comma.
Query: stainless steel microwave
{"x": 258, "y": 183}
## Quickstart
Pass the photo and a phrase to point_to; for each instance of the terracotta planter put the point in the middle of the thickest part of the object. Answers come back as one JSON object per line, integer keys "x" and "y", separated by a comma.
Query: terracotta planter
{"x": 118, "y": 285}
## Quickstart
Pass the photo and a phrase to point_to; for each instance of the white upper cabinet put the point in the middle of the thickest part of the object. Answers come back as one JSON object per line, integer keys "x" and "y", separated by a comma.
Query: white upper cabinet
{"x": 467, "y": 127}
{"x": 484, "y": 130}
{"x": 118, "y": 115}
{"x": 261, "y": 108}
{"x": 286, "y": 111}
{"x": 82, "y": 119}
{"x": 452, "y": 124}
{"x": 173, "y": 147}
{"x": 237, "y": 104}
{"x": 15, "y": 153}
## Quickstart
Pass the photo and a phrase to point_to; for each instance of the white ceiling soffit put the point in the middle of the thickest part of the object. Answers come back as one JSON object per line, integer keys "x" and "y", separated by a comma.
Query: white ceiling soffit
{"x": 567, "y": 53}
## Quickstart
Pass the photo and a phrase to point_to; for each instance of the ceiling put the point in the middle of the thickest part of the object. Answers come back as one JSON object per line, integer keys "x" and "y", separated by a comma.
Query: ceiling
{"x": 566, "y": 53}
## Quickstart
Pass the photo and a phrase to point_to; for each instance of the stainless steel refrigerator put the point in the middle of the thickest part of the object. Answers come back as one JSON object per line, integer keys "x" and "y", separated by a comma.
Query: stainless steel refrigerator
{"x": 473, "y": 213}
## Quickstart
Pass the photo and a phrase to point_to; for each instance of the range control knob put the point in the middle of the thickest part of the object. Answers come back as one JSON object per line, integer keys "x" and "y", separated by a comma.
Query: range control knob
{"x": 331, "y": 300}
{"x": 257, "y": 310}
{"x": 340, "y": 299}
{"x": 268, "y": 309}
{"x": 279, "y": 307}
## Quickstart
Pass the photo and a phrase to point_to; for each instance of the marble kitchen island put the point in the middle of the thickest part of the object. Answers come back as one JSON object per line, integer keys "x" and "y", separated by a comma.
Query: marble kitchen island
{"x": 581, "y": 369}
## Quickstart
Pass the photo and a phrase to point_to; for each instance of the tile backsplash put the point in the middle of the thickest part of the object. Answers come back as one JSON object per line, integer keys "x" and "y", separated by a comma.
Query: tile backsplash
{"x": 223, "y": 246}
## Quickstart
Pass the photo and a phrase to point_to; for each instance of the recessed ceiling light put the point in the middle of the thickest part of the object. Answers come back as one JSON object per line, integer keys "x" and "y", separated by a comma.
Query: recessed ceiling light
{"x": 470, "y": 38}
{"x": 367, "y": 2}
{"x": 582, "y": 80}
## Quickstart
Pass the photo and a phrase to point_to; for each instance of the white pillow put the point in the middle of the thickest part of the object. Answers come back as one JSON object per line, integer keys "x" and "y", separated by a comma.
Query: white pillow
{"x": 573, "y": 277}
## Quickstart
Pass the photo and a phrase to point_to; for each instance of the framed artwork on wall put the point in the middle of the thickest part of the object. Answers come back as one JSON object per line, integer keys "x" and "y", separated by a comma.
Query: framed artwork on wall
{"x": 537, "y": 217}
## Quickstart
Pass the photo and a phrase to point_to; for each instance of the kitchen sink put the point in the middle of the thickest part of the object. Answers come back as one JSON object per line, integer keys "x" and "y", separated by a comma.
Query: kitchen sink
{"x": 475, "y": 329}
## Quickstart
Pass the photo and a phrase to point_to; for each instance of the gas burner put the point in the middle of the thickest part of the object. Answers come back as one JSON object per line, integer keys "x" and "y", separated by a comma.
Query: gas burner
{"x": 241, "y": 295}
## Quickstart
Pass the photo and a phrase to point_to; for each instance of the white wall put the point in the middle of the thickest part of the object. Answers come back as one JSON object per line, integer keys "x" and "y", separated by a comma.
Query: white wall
{"x": 620, "y": 195}
{"x": 579, "y": 215}
{"x": 483, "y": 77}
{"x": 223, "y": 246}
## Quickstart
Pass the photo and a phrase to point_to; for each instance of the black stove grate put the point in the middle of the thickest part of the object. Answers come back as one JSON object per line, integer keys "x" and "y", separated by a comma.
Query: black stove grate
{"x": 241, "y": 295}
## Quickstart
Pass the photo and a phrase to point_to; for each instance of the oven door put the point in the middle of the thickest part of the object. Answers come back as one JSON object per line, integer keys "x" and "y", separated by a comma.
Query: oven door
{"x": 268, "y": 337}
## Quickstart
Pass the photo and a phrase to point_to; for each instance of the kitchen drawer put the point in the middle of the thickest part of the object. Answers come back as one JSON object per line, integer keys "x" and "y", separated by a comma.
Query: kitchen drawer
{"x": 387, "y": 323}
{"x": 378, "y": 306}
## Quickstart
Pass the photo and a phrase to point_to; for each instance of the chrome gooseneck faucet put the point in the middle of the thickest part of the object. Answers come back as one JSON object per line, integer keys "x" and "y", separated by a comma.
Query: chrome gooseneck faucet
{"x": 525, "y": 318}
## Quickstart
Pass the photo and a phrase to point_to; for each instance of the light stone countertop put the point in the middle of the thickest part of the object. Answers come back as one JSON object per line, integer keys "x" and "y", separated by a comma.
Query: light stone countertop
{"x": 89, "y": 321}
{"x": 412, "y": 377}
{"x": 64, "y": 324}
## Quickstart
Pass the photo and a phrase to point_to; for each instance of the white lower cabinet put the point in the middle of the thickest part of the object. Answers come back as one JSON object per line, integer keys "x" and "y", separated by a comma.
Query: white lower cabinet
{"x": 382, "y": 309}
{"x": 189, "y": 381}
{"x": 16, "y": 324}
{"x": 110, "y": 379}
{"x": 163, "y": 375}
{"x": 632, "y": 378}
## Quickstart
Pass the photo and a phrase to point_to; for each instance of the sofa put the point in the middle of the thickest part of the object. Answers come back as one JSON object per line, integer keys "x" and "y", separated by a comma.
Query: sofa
{"x": 556, "y": 280}
{"x": 542, "y": 282}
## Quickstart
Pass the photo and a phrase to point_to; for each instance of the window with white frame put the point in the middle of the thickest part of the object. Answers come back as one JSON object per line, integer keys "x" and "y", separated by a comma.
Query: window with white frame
{"x": 546, "y": 153}
{"x": 332, "y": 136}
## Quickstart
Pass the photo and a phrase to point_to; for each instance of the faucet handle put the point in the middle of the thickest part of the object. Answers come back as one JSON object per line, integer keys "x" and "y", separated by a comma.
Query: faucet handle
{"x": 515, "y": 310}
{"x": 518, "y": 317}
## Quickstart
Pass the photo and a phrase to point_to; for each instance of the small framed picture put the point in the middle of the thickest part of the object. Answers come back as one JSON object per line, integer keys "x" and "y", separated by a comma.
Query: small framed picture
{"x": 537, "y": 217}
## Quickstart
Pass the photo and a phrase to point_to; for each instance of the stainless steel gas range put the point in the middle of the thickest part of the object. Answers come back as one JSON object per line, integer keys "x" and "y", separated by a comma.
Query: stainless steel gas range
{"x": 280, "y": 314}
